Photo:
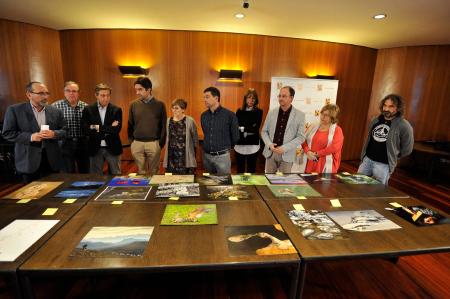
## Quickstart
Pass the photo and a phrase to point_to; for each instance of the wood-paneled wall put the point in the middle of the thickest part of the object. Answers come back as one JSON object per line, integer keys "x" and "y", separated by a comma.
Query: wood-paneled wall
{"x": 422, "y": 76}
{"x": 182, "y": 64}
{"x": 28, "y": 53}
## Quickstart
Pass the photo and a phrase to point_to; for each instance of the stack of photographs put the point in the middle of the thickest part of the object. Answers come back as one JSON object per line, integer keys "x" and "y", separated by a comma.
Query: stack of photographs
{"x": 315, "y": 225}
{"x": 189, "y": 215}
{"x": 285, "y": 179}
{"x": 225, "y": 192}
{"x": 258, "y": 240}
{"x": 178, "y": 190}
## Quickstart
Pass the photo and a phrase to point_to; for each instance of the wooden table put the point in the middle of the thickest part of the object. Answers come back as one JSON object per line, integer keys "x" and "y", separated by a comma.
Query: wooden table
{"x": 409, "y": 240}
{"x": 11, "y": 211}
{"x": 171, "y": 248}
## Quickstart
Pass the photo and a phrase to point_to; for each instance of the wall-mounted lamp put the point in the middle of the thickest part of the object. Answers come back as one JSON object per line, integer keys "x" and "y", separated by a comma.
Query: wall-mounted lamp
{"x": 323, "y": 77}
{"x": 230, "y": 76}
{"x": 132, "y": 71}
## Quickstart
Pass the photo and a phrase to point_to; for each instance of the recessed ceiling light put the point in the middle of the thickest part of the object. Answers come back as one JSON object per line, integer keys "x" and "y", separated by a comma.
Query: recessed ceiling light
{"x": 239, "y": 15}
{"x": 379, "y": 16}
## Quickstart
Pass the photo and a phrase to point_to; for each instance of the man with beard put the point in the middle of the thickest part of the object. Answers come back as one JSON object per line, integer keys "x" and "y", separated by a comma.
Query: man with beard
{"x": 390, "y": 138}
{"x": 35, "y": 128}
{"x": 146, "y": 128}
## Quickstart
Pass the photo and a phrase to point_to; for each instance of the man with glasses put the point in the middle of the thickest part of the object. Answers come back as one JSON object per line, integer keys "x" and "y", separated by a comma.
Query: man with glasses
{"x": 282, "y": 133}
{"x": 35, "y": 128}
{"x": 74, "y": 148}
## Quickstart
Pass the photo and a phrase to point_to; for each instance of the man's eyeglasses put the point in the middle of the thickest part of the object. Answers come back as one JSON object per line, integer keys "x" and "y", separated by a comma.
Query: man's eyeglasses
{"x": 70, "y": 90}
{"x": 42, "y": 93}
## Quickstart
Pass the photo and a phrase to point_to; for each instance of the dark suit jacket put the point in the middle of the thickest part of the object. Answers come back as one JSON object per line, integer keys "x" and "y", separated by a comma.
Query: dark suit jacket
{"x": 18, "y": 126}
{"x": 107, "y": 132}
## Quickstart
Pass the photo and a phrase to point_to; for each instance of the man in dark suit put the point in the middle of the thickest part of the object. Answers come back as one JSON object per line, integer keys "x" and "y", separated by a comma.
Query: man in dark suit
{"x": 35, "y": 128}
{"x": 102, "y": 122}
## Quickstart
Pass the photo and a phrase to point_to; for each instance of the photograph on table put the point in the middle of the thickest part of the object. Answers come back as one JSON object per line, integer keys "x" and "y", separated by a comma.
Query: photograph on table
{"x": 87, "y": 184}
{"x": 225, "y": 192}
{"x": 421, "y": 216}
{"x": 316, "y": 225}
{"x": 171, "y": 179}
{"x": 129, "y": 181}
{"x": 213, "y": 180}
{"x": 285, "y": 179}
{"x": 189, "y": 214}
{"x": 34, "y": 190}
{"x": 178, "y": 190}
{"x": 124, "y": 193}
{"x": 114, "y": 242}
{"x": 21, "y": 234}
{"x": 356, "y": 179}
{"x": 293, "y": 191}
{"x": 362, "y": 221}
{"x": 76, "y": 193}
{"x": 258, "y": 240}
{"x": 253, "y": 179}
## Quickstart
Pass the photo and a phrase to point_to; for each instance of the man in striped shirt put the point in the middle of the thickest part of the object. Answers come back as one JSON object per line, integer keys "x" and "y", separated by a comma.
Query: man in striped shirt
{"x": 74, "y": 147}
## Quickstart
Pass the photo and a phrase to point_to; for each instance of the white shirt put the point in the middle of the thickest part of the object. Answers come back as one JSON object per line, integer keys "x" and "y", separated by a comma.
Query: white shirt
{"x": 102, "y": 111}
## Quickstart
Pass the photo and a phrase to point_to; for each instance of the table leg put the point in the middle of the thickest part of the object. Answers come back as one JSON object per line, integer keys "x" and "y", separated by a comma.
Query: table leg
{"x": 16, "y": 286}
{"x": 294, "y": 282}
{"x": 301, "y": 281}
{"x": 27, "y": 287}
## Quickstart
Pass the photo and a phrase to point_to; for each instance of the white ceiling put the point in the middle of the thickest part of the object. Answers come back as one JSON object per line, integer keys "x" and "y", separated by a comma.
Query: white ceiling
{"x": 409, "y": 22}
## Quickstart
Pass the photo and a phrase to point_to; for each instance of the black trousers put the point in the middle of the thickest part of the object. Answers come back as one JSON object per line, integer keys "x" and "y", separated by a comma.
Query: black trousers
{"x": 246, "y": 163}
{"x": 75, "y": 156}
{"x": 43, "y": 170}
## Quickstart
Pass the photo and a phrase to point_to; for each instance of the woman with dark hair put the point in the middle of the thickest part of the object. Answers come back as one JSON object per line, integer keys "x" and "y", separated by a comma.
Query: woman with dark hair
{"x": 249, "y": 118}
{"x": 323, "y": 144}
{"x": 181, "y": 141}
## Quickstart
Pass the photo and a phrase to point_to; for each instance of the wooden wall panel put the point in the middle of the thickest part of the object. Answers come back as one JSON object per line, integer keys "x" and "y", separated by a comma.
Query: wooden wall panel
{"x": 28, "y": 53}
{"x": 422, "y": 76}
{"x": 183, "y": 64}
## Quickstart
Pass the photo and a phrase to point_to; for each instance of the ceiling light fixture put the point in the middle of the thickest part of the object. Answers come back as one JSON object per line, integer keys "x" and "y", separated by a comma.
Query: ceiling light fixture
{"x": 379, "y": 16}
{"x": 239, "y": 15}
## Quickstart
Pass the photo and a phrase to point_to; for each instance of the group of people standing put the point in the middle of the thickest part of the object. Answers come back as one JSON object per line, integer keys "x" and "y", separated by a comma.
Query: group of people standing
{"x": 60, "y": 137}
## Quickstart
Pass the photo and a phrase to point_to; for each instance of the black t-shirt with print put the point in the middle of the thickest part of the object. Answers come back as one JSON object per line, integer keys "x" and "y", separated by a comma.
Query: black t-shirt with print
{"x": 376, "y": 150}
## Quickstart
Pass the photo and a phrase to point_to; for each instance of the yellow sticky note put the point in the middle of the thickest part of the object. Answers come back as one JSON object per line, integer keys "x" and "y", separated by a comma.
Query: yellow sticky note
{"x": 25, "y": 200}
{"x": 395, "y": 204}
{"x": 314, "y": 173}
{"x": 346, "y": 173}
{"x": 50, "y": 212}
{"x": 335, "y": 203}
{"x": 206, "y": 174}
{"x": 174, "y": 198}
{"x": 168, "y": 173}
{"x": 233, "y": 198}
{"x": 247, "y": 173}
{"x": 298, "y": 207}
{"x": 301, "y": 197}
{"x": 132, "y": 174}
{"x": 117, "y": 202}
{"x": 70, "y": 200}
{"x": 279, "y": 173}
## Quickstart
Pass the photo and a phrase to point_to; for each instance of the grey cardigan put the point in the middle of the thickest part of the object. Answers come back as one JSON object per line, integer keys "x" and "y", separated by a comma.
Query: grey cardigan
{"x": 191, "y": 142}
{"x": 399, "y": 143}
{"x": 294, "y": 134}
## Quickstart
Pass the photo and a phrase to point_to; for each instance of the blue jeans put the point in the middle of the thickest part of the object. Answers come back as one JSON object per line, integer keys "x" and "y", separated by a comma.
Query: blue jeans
{"x": 220, "y": 164}
{"x": 377, "y": 170}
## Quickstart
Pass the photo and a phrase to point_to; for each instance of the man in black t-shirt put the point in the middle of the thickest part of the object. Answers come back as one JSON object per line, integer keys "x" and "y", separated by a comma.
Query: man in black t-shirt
{"x": 390, "y": 138}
